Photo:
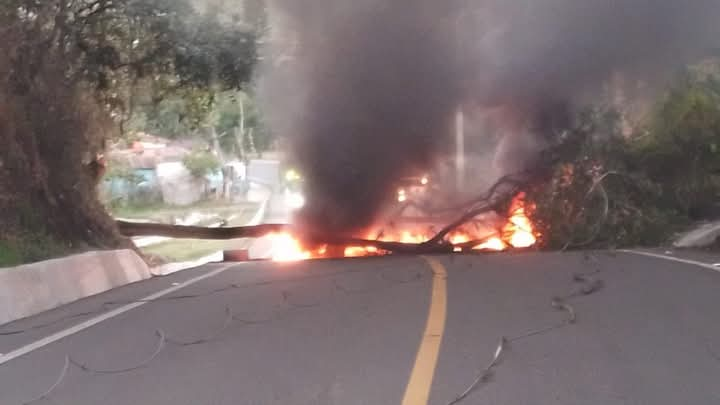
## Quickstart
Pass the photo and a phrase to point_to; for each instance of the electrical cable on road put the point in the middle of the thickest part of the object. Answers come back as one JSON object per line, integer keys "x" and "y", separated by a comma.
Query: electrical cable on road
{"x": 48, "y": 324}
{"x": 347, "y": 290}
{"x": 164, "y": 340}
{"x": 485, "y": 374}
{"x": 105, "y": 305}
{"x": 58, "y": 381}
{"x": 160, "y": 346}
{"x": 211, "y": 337}
{"x": 589, "y": 285}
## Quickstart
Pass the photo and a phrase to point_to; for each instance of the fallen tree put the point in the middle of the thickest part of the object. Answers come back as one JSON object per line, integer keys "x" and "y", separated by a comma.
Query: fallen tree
{"x": 586, "y": 192}
{"x": 198, "y": 232}
{"x": 497, "y": 198}
{"x": 599, "y": 194}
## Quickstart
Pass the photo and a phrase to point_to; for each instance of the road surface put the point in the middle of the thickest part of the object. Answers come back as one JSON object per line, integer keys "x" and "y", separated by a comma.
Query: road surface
{"x": 395, "y": 330}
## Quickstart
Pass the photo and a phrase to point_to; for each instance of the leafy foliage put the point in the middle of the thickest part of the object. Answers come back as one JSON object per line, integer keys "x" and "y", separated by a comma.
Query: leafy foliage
{"x": 67, "y": 73}
{"x": 239, "y": 110}
{"x": 607, "y": 189}
{"x": 208, "y": 98}
{"x": 594, "y": 198}
{"x": 681, "y": 147}
{"x": 201, "y": 163}
{"x": 193, "y": 113}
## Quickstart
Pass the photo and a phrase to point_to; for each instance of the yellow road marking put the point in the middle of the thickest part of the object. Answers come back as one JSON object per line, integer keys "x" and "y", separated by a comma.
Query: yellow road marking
{"x": 418, "y": 388}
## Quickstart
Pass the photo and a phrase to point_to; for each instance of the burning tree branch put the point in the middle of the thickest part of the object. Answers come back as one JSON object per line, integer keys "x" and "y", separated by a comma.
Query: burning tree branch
{"x": 496, "y": 199}
{"x": 499, "y": 195}
{"x": 131, "y": 229}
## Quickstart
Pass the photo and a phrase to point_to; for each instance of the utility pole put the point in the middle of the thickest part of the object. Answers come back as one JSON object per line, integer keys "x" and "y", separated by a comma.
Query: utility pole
{"x": 459, "y": 115}
{"x": 460, "y": 148}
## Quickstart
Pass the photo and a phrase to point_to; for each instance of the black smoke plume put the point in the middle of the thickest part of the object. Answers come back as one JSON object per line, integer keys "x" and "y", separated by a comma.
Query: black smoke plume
{"x": 365, "y": 91}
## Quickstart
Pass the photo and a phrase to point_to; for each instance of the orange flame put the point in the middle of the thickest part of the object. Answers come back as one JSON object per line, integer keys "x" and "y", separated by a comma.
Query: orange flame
{"x": 459, "y": 238}
{"x": 411, "y": 237}
{"x": 519, "y": 227}
{"x": 286, "y": 248}
{"x": 357, "y": 251}
{"x": 494, "y": 243}
{"x": 518, "y": 232}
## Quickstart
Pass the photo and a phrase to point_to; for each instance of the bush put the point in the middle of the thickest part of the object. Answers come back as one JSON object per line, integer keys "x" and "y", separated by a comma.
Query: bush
{"x": 201, "y": 163}
{"x": 680, "y": 148}
{"x": 30, "y": 248}
{"x": 598, "y": 195}
{"x": 607, "y": 189}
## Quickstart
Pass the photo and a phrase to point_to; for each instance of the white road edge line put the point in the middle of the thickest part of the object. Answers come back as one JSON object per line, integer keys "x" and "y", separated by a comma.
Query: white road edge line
{"x": 672, "y": 259}
{"x": 104, "y": 317}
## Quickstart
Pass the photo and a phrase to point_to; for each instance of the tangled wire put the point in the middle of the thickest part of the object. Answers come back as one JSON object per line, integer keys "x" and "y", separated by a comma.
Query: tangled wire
{"x": 164, "y": 340}
{"x": 588, "y": 285}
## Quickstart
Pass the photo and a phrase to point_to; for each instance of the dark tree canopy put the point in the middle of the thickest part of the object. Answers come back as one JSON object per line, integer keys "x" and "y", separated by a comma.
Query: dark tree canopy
{"x": 67, "y": 70}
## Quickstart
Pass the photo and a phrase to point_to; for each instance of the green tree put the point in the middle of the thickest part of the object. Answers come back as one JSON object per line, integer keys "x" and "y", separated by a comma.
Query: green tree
{"x": 222, "y": 111}
{"x": 230, "y": 117}
{"x": 67, "y": 70}
{"x": 201, "y": 163}
{"x": 608, "y": 189}
{"x": 240, "y": 124}
{"x": 680, "y": 148}
{"x": 597, "y": 195}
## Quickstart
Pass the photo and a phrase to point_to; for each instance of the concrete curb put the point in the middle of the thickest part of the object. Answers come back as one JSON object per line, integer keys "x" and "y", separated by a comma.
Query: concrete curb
{"x": 702, "y": 236}
{"x": 30, "y": 289}
{"x": 34, "y": 288}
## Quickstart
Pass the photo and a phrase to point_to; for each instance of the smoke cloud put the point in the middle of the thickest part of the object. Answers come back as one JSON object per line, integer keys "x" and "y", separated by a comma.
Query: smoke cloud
{"x": 365, "y": 91}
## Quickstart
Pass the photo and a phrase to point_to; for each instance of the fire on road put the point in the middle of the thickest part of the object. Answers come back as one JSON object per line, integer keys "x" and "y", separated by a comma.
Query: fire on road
{"x": 518, "y": 232}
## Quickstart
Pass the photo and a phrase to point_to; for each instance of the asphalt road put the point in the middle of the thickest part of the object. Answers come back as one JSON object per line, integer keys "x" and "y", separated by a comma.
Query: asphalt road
{"x": 372, "y": 331}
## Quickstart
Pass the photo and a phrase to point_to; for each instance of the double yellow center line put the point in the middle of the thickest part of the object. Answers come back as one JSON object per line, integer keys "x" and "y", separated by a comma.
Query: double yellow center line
{"x": 421, "y": 378}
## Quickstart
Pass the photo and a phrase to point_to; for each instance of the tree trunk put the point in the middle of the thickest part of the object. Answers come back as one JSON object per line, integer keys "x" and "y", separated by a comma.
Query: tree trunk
{"x": 51, "y": 135}
{"x": 251, "y": 141}
{"x": 195, "y": 232}
{"x": 217, "y": 151}
{"x": 240, "y": 132}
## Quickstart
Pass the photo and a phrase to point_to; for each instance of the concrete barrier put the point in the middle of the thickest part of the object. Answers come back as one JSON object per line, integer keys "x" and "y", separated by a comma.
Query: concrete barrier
{"x": 703, "y": 236}
{"x": 33, "y": 288}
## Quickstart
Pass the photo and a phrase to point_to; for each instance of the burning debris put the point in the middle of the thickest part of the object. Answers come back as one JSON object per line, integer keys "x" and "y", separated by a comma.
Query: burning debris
{"x": 287, "y": 248}
{"x": 517, "y": 232}
{"x": 519, "y": 229}
{"x": 471, "y": 232}
{"x": 498, "y": 221}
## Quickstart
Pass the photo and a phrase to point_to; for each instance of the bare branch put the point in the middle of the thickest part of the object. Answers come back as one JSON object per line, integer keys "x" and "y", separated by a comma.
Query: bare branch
{"x": 488, "y": 202}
